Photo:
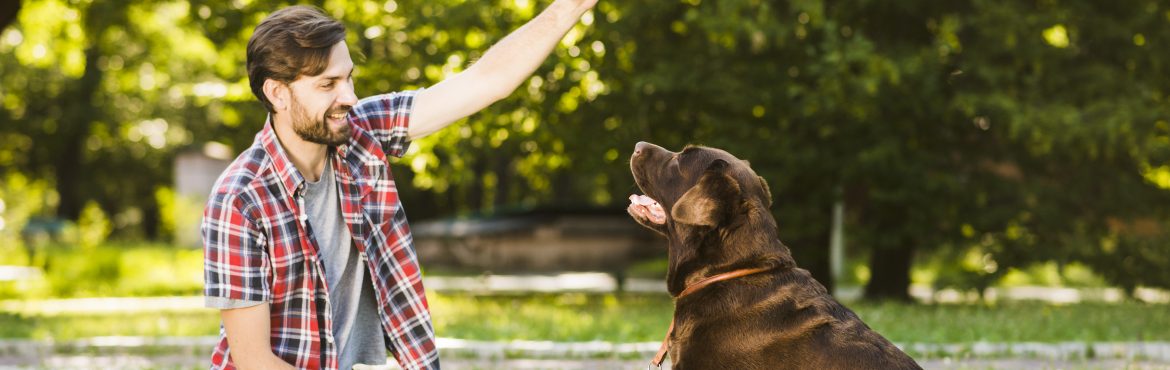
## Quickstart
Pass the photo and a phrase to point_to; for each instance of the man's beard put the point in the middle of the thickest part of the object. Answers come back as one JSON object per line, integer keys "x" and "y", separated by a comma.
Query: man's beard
{"x": 316, "y": 130}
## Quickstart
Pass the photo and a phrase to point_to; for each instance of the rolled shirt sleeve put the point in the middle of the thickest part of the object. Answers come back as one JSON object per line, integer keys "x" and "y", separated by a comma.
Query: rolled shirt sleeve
{"x": 235, "y": 258}
{"x": 387, "y": 118}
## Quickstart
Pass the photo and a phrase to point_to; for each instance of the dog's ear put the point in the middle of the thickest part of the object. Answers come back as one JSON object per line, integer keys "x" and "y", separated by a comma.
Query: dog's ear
{"x": 763, "y": 184}
{"x": 709, "y": 201}
{"x": 767, "y": 192}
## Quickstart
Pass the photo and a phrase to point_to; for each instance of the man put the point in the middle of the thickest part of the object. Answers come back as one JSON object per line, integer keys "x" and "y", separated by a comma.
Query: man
{"x": 307, "y": 250}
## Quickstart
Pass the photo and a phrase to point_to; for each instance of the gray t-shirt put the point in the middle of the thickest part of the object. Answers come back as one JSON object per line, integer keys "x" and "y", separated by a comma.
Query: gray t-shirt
{"x": 356, "y": 327}
{"x": 357, "y": 330}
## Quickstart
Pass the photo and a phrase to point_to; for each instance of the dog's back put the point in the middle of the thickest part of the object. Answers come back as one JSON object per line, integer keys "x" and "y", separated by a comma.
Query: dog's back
{"x": 778, "y": 320}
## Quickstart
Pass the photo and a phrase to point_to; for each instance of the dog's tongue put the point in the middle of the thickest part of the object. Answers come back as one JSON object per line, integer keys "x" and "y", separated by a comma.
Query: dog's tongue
{"x": 648, "y": 208}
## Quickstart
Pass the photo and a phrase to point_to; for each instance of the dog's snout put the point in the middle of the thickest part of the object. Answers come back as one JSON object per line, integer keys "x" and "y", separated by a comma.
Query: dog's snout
{"x": 640, "y": 147}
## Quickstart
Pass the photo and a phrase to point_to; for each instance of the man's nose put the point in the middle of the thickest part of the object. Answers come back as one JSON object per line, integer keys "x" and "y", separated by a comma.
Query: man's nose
{"x": 347, "y": 96}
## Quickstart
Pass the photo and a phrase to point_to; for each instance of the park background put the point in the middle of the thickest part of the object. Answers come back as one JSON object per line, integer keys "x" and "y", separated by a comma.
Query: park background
{"x": 990, "y": 173}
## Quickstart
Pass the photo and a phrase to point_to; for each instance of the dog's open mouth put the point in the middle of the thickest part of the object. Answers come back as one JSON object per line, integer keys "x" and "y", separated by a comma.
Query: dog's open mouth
{"x": 647, "y": 208}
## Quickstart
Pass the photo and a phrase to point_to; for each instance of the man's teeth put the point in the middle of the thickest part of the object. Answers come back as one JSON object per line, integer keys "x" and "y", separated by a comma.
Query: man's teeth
{"x": 337, "y": 116}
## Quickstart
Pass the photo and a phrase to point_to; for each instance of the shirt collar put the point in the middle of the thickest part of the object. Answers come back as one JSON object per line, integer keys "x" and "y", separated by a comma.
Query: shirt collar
{"x": 289, "y": 176}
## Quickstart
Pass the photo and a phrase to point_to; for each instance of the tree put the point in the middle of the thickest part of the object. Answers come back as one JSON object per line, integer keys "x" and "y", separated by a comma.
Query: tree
{"x": 1023, "y": 132}
{"x": 1074, "y": 98}
{"x": 101, "y": 110}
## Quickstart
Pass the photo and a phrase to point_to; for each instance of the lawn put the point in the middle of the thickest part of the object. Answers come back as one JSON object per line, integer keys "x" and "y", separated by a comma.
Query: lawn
{"x": 151, "y": 270}
{"x": 636, "y": 318}
{"x": 73, "y": 326}
{"x": 644, "y": 318}
{"x": 108, "y": 270}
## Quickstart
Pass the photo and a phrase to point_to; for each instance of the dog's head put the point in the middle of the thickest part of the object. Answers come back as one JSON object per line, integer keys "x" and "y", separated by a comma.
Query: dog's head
{"x": 699, "y": 185}
{"x": 711, "y": 206}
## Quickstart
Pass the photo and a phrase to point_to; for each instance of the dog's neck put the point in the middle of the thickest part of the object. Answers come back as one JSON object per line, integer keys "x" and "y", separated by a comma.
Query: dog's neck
{"x": 751, "y": 242}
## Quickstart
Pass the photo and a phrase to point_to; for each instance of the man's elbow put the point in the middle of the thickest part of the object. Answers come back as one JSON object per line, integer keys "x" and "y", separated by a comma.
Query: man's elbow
{"x": 499, "y": 90}
{"x": 496, "y": 86}
{"x": 500, "y": 94}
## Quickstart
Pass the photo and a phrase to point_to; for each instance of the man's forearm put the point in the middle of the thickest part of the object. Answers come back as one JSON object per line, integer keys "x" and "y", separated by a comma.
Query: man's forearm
{"x": 509, "y": 62}
{"x": 494, "y": 76}
{"x": 247, "y": 334}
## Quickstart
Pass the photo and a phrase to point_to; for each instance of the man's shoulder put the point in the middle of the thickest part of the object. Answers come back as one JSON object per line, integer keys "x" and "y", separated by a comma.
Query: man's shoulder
{"x": 386, "y": 102}
{"x": 382, "y": 106}
{"x": 245, "y": 179}
{"x": 381, "y": 123}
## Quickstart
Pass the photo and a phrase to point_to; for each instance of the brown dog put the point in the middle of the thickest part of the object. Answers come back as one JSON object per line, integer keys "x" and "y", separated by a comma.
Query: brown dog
{"x": 713, "y": 210}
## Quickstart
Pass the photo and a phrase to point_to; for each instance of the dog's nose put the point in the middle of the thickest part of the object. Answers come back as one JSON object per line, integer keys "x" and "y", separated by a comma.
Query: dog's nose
{"x": 639, "y": 146}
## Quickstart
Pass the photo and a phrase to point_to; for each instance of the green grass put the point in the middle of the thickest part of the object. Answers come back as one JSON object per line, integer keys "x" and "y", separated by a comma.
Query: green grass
{"x": 558, "y": 317}
{"x": 635, "y": 318}
{"x": 644, "y": 318}
{"x": 70, "y": 327}
{"x": 1018, "y": 322}
{"x": 111, "y": 270}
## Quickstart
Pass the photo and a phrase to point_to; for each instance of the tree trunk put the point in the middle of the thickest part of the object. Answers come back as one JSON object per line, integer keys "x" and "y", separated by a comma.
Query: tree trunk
{"x": 8, "y": 12}
{"x": 74, "y": 130}
{"x": 812, "y": 254}
{"x": 890, "y": 273}
{"x": 503, "y": 182}
{"x": 475, "y": 194}
{"x": 68, "y": 180}
{"x": 563, "y": 188}
{"x": 150, "y": 219}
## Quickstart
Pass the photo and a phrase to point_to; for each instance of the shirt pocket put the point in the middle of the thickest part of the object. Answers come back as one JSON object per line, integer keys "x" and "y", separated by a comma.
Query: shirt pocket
{"x": 379, "y": 195}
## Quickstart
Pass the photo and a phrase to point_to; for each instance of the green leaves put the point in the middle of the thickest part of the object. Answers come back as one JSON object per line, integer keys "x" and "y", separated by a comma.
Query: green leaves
{"x": 1043, "y": 119}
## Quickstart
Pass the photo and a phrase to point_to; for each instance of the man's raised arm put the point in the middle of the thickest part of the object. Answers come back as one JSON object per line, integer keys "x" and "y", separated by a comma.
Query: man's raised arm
{"x": 494, "y": 76}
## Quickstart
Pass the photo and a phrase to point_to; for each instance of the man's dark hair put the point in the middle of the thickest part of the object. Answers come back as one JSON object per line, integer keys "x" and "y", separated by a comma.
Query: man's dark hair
{"x": 291, "y": 42}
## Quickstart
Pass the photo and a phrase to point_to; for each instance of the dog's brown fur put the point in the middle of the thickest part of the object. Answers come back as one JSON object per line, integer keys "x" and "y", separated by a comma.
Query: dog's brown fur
{"x": 718, "y": 221}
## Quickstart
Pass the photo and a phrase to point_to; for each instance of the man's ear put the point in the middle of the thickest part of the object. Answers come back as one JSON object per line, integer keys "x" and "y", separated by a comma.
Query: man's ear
{"x": 277, "y": 93}
{"x": 708, "y": 202}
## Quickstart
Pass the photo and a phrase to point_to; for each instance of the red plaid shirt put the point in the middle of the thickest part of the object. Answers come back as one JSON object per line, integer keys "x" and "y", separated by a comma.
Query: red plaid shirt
{"x": 258, "y": 245}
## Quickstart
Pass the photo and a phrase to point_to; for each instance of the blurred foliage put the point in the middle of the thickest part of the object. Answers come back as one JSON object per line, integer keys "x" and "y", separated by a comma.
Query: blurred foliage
{"x": 1052, "y": 274}
{"x": 1016, "y": 132}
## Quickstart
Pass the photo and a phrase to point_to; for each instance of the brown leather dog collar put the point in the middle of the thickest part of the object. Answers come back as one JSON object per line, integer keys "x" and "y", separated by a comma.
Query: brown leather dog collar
{"x": 661, "y": 355}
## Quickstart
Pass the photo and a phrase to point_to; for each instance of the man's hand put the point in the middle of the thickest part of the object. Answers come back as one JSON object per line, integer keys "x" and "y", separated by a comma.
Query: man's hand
{"x": 501, "y": 69}
{"x": 248, "y": 338}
